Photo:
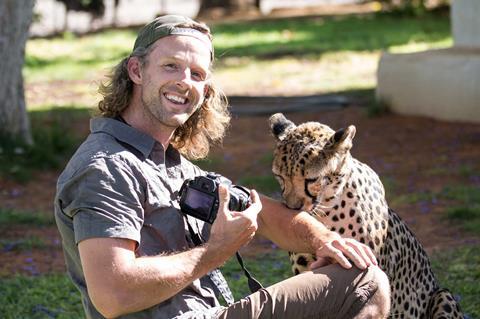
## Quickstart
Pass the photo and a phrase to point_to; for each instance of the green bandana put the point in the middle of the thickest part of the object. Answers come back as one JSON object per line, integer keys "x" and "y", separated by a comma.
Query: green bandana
{"x": 170, "y": 25}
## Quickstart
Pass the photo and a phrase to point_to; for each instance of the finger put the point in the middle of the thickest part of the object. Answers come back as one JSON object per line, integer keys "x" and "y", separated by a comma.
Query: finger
{"x": 224, "y": 197}
{"x": 254, "y": 209}
{"x": 361, "y": 251}
{"x": 254, "y": 196}
{"x": 352, "y": 254}
{"x": 336, "y": 255}
{"x": 370, "y": 255}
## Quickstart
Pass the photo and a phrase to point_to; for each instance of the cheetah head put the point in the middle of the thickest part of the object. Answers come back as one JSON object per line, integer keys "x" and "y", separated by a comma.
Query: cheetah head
{"x": 308, "y": 159}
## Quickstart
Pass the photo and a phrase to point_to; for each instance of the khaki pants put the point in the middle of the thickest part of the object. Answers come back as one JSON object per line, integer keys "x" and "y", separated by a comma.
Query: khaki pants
{"x": 327, "y": 292}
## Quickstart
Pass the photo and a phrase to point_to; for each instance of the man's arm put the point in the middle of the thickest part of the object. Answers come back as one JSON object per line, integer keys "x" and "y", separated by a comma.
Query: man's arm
{"x": 118, "y": 282}
{"x": 298, "y": 231}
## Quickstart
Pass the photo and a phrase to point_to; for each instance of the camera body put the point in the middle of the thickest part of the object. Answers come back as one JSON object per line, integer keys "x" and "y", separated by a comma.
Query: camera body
{"x": 199, "y": 196}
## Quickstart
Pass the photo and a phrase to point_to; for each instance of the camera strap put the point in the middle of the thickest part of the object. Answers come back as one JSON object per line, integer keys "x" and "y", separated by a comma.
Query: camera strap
{"x": 217, "y": 277}
{"x": 253, "y": 283}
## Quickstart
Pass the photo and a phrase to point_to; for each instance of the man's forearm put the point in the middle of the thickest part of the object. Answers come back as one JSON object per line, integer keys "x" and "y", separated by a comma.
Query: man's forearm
{"x": 290, "y": 229}
{"x": 157, "y": 278}
{"x": 120, "y": 283}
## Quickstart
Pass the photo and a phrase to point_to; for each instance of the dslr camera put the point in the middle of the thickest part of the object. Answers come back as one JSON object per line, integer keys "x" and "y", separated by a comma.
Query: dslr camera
{"x": 199, "y": 196}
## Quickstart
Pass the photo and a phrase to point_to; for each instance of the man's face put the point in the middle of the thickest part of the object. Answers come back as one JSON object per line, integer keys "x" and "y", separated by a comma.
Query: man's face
{"x": 174, "y": 80}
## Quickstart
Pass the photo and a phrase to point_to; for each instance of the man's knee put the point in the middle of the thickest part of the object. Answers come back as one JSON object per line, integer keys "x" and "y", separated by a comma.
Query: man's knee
{"x": 378, "y": 305}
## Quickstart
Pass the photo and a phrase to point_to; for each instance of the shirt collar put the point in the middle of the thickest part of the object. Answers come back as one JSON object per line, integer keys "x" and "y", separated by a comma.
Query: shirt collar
{"x": 125, "y": 133}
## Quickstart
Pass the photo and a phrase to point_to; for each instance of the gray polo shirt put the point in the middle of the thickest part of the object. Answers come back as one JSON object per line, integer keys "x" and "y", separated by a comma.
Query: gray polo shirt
{"x": 120, "y": 183}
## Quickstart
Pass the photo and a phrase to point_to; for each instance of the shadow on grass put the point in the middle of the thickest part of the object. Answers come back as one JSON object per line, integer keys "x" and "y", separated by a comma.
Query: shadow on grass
{"x": 242, "y": 105}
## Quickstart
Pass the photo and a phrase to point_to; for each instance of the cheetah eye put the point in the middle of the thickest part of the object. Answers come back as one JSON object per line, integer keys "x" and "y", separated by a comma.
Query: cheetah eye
{"x": 310, "y": 185}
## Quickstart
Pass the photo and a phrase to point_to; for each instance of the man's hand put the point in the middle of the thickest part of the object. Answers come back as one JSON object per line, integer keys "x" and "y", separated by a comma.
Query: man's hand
{"x": 341, "y": 249}
{"x": 232, "y": 230}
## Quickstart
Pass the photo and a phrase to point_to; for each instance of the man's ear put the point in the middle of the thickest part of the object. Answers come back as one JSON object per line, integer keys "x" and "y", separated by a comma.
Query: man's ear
{"x": 206, "y": 91}
{"x": 134, "y": 68}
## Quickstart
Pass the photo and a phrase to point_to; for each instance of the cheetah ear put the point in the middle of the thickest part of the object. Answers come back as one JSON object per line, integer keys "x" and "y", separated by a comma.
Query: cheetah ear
{"x": 280, "y": 126}
{"x": 341, "y": 141}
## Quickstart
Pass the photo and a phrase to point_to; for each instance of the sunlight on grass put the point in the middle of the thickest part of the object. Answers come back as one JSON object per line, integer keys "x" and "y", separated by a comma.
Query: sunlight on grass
{"x": 330, "y": 72}
{"x": 421, "y": 46}
{"x": 273, "y": 57}
{"x": 75, "y": 58}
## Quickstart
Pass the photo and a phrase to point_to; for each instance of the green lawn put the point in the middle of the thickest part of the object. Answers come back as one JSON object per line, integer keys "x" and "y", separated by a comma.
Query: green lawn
{"x": 53, "y": 296}
{"x": 340, "y": 53}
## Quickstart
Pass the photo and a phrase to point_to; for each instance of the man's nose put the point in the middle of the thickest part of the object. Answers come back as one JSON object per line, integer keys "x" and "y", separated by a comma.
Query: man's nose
{"x": 184, "y": 80}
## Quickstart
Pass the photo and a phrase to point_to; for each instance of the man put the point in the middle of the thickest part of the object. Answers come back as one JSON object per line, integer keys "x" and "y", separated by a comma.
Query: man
{"x": 129, "y": 249}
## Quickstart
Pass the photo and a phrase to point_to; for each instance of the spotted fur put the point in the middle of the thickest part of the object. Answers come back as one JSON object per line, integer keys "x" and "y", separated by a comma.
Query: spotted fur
{"x": 317, "y": 173}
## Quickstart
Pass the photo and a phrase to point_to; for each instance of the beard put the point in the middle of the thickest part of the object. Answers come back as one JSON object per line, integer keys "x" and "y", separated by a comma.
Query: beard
{"x": 161, "y": 111}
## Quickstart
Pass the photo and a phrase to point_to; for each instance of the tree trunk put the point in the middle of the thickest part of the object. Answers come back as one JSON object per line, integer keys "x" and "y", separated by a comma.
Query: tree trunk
{"x": 15, "y": 19}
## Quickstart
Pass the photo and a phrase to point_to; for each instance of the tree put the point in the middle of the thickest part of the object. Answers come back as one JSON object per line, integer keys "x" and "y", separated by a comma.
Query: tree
{"x": 15, "y": 19}
{"x": 228, "y": 6}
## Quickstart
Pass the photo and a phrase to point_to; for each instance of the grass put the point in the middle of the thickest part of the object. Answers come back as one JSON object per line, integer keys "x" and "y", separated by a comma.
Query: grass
{"x": 54, "y": 296}
{"x": 275, "y": 262}
{"x": 55, "y": 141}
{"x": 75, "y": 58}
{"x": 463, "y": 204}
{"x": 340, "y": 53}
{"x": 24, "y": 244}
{"x": 265, "y": 184}
{"x": 458, "y": 271}
{"x": 47, "y": 296}
{"x": 304, "y": 36}
{"x": 12, "y": 217}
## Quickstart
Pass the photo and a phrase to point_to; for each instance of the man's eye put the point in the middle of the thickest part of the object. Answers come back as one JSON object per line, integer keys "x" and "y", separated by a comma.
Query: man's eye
{"x": 170, "y": 66}
{"x": 198, "y": 76}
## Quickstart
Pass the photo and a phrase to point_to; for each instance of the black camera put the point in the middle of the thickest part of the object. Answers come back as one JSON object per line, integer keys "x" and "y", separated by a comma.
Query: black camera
{"x": 199, "y": 197}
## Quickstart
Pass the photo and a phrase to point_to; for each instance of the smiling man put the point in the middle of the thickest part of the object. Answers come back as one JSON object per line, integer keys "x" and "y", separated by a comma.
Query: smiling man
{"x": 129, "y": 249}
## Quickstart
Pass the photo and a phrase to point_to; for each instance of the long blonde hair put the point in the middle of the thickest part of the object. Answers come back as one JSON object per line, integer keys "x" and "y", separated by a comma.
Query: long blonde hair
{"x": 204, "y": 127}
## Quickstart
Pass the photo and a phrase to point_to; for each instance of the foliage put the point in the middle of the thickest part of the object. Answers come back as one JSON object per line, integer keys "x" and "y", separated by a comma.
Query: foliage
{"x": 377, "y": 108}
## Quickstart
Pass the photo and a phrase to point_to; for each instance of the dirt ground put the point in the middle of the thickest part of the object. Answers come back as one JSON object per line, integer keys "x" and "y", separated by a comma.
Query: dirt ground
{"x": 414, "y": 154}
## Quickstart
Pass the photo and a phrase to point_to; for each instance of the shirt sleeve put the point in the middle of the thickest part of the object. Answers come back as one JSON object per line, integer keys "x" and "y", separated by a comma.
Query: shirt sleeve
{"x": 105, "y": 200}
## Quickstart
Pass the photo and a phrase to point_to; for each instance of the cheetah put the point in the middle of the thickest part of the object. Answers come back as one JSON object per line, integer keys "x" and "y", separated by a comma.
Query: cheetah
{"x": 317, "y": 173}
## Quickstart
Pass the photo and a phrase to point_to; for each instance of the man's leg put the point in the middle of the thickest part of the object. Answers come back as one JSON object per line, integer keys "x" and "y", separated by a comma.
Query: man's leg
{"x": 328, "y": 292}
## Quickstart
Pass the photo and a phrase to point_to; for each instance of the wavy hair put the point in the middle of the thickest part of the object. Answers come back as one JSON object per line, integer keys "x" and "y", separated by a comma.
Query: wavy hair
{"x": 207, "y": 125}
